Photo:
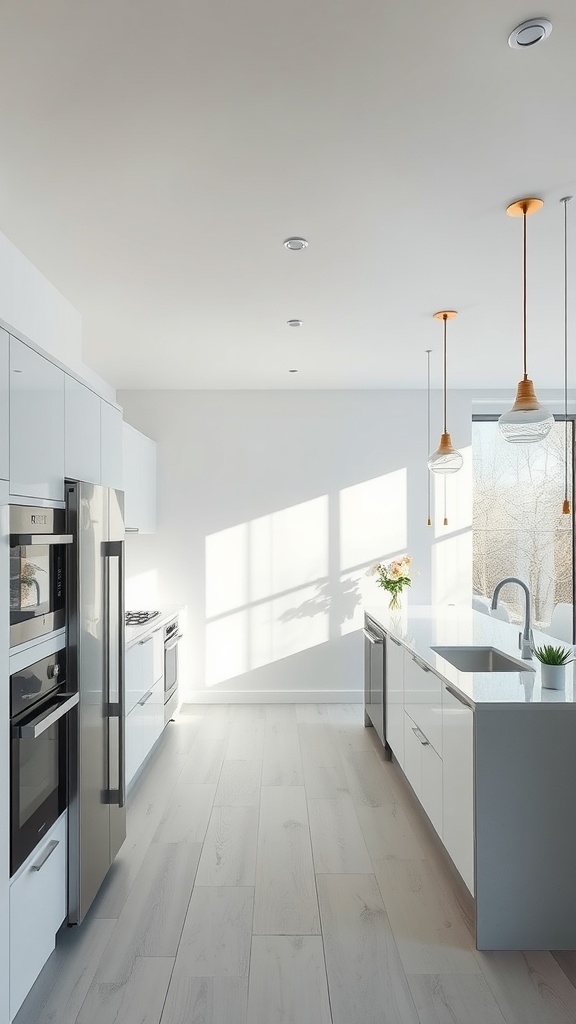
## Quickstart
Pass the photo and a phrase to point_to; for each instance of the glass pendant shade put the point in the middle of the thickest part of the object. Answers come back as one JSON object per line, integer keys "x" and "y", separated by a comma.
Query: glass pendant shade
{"x": 446, "y": 459}
{"x": 527, "y": 421}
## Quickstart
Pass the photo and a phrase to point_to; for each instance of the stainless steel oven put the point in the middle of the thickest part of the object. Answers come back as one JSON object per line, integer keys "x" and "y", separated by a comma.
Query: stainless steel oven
{"x": 172, "y": 637}
{"x": 37, "y": 572}
{"x": 41, "y": 704}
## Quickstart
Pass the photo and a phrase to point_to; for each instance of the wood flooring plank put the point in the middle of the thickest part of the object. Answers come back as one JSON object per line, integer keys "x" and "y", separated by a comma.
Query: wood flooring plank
{"x": 151, "y": 921}
{"x": 229, "y": 852}
{"x": 366, "y": 980}
{"x": 324, "y": 783}
{"x": 431, "y": 936}
{"x": 288, "y": 981}
{"x": 319, "y": 746}
{"x": 311, "y": 714}
{"x": 204, "y": 762}
{"x": 187, "y": 814}
{"x": 530, "y": 988}
{"x": 205, "y": 1000}
{"x": 369, "y": 781}
{"x": 285, "y": 897}
{"x": 282, "y": 756}
{"x": 137, "y": 1000}
{"x": 62, "y": 986}
{"x": 388, "y": 833}
{"x": 338, "y": 846}
{"x": 183, "y": 731}
{"x": 454, "y": 999}
{"x": 246, "y": 731}
{"x": 217, "y": 931}
{"x": 567, "y": 961}
{"x": 239, "y": 784}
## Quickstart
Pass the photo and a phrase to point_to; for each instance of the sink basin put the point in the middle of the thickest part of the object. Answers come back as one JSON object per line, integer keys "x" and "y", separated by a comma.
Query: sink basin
{"x": 481, "y": 659}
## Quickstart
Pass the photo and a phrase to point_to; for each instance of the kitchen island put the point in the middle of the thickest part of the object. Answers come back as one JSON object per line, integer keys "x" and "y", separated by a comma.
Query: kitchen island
{"x": 491, "y": 757}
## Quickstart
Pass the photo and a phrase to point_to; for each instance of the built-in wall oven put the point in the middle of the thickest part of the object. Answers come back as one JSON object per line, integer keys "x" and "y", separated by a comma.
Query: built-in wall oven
{"x": 38, "y": 544}
{"x": 42, "y": 706}
{"x": 172, "y": 637}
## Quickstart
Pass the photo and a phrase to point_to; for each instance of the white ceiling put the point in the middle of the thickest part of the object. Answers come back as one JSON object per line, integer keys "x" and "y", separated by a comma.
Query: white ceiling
{"x": 155, "y": 154}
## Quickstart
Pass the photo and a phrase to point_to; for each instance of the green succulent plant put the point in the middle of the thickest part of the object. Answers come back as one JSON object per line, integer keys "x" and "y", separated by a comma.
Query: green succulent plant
{"x": 550, "y": 655}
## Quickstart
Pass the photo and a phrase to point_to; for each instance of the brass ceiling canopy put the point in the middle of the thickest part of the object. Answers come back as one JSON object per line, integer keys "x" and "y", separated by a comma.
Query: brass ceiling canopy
{"x": 524, "y": 206}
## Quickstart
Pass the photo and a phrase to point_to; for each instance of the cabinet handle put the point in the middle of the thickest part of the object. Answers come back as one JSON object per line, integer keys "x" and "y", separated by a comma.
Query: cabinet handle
{"x": 394, "y": 641}
{"x": 420, "y": 663}
{"x": 146, "y": 697}
{"x": 458, "y": 697}
{"x": 145, "y": 641}
{"x": 420, "y": 736}
{"x": 372, "y": 638}
{"x": 46, "y": 853}
{"x": 131, "y": 529}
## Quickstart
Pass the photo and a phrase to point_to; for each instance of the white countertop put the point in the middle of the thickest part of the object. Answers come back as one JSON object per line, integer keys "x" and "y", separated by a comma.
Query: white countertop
{"x": 422, "y": 627}
{"x": 134, "y": 633}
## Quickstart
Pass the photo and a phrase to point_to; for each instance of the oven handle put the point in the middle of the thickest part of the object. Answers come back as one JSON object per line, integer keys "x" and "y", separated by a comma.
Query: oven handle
{"x": 26, "y": 540}
{"x": 171, "y": 644}
{"x": 32, "y": 730}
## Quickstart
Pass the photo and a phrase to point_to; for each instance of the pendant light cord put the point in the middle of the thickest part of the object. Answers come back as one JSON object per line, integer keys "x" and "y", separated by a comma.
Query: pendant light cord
{"x": 445, "y": 318}
{"x": 524, "y": 289}
{"x": 566, "y": 506}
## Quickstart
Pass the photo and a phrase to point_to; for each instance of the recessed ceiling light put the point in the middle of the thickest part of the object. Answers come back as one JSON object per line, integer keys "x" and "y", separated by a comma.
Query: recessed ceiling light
{"x": 529, "y": 33}
{"x": 295, "y": 243}
{"x": 292, "y": 371}
{"x": 294, "y": 323}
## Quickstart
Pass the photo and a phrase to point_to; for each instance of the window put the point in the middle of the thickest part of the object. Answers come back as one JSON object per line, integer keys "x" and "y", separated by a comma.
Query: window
{"x": 518, "y": 526}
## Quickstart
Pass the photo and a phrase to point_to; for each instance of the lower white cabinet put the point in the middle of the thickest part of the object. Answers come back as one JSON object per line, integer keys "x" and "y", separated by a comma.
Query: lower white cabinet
{"x": 395, "y": 698}
{"x": 144, "y": 725}
{"x": 458, "y": 784}
{"x": 37, "y": 909}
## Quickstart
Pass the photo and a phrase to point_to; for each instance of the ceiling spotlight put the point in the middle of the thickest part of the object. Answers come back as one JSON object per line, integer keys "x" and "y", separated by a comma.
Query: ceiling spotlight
{"x": 295, "y": 243}
{"x": 529, "y": 33}
{"x": 294, "y": 323}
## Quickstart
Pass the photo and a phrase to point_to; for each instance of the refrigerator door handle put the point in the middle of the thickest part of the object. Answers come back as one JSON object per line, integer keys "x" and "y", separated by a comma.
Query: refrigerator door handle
{"x": 116, "y": 709}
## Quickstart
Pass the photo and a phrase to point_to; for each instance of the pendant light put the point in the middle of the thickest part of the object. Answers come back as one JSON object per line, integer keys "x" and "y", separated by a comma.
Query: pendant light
{"x": 527, "y": 421}
{"x": 566, "y": 503}
{"x": 446, "y": 459}
{"x": 429, "y": 432}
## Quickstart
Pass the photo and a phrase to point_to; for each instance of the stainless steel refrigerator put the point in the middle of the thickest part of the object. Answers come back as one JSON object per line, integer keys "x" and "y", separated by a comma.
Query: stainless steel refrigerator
{"x": 95, "y": 598}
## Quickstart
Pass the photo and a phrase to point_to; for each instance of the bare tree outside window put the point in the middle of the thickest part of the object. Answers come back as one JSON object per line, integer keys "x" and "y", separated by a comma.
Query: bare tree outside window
{"x": 518, "y": 526}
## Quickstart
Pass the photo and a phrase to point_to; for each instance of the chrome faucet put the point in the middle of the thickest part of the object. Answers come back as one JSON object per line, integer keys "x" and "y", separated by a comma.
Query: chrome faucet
{"x": 526, "y": 638}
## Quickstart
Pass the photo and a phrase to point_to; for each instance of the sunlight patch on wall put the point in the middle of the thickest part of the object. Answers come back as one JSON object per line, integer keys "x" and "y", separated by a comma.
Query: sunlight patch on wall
{"x": 452, "y": 569}
{"x": 141, "y": 590}
{"x": 288, "y": 548}
{"x": 373, "y": 518}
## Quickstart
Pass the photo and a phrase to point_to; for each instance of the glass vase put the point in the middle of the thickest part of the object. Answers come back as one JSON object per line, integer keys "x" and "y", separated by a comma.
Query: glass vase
{"x": 395, "y": 602}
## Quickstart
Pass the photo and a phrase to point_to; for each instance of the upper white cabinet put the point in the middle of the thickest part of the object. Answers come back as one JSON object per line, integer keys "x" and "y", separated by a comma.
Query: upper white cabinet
{"x": 36, "y": 424}
{"x": 4, "y": 407}
{"x": 82, "y": 432}
{"x": 111, "y": 444}
{"x": 140, "y": 470}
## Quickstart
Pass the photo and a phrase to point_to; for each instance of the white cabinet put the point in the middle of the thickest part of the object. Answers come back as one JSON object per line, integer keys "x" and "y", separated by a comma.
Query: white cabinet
{"x": 37, "y": 909}
{"x": 395, "y": 698}
{"x": 82, "y": 432}
{"x": 4, "y": 405}
{"x": 144, "y": 726}
{"x": 423, "y": 769}
{"x": 458, "y": 784}
{"x": 423, "y": 699}
{"x": 134, "y": 674}
{"x": 140, "y": 485}
{"x": 111, "y": 443}
{"x": 134, "y": 742}
{"x": 36, "y": 424}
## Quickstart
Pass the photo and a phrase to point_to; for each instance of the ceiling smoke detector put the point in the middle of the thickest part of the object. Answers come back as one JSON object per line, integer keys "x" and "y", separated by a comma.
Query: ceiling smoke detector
{"x": 295, "y": 244}
{"x": 529, "y": 33}
{"x": 294, "y": 323}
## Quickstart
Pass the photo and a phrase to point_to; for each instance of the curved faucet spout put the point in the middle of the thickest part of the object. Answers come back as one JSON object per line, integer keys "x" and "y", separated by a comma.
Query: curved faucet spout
{"x": 526, "y": 635}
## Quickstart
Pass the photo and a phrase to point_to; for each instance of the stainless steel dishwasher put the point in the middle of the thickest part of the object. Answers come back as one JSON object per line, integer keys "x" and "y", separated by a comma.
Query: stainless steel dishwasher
{"x": 374, "y": 669}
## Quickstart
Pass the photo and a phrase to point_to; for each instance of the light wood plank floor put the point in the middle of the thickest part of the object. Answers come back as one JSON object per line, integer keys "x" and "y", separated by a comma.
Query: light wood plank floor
{"x": 276, "y": 871}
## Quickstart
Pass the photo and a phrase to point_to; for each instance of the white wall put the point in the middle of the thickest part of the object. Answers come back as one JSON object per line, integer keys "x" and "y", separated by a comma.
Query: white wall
{"x": 271, "y": 506}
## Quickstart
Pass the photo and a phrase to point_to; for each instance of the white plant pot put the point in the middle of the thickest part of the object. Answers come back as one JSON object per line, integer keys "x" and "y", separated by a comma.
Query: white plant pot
{"x": 553, "y": 676}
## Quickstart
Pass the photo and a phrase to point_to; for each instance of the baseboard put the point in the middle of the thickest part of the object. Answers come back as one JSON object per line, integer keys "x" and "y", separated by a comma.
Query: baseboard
{"x": 274, "y": 697}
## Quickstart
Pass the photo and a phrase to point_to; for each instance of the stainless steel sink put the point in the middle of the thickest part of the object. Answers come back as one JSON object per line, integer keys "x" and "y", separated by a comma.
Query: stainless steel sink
{"x": 481, "y": 659}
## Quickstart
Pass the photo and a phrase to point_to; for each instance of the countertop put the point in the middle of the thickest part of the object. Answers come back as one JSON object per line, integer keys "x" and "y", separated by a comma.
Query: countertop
{"x": 424, "y": 626}
{"x": 134, "y": 633}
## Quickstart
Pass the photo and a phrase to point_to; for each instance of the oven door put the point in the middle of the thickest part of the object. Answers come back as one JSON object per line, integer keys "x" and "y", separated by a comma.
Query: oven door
{"x": 38, "y": 778}
{"x": 37, "y": 586}
{"x": 171, "y": 665}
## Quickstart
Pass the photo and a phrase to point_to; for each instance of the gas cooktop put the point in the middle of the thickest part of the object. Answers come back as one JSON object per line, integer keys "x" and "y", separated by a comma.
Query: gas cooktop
{"x": 139, "y": 618}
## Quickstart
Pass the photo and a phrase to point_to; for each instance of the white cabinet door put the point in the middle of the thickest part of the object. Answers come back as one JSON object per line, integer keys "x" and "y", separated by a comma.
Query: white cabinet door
{"x": 82, "y": 432}
{"x": 158, "y": 655}
{"x": 423, "y": 699}
{"x": 458, "y": 784}
{"x": 395, "y": 698}
{"x": 4, "y": 404}
{"x": 134, "y": 742}
{"x": 37, "y": 909}
{"x": 432, "y": 786}
{"x": 412, "y": 756}
{"x": 36, "y": 424}
{"x": 140, "y": 471}
{"x": 134, "y": 682}
{"x": 111, "y": 439}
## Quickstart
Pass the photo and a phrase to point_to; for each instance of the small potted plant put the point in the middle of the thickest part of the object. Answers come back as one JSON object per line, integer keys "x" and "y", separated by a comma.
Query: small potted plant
{"x": 393, "y": 577}
{"x": 553, "y": 661}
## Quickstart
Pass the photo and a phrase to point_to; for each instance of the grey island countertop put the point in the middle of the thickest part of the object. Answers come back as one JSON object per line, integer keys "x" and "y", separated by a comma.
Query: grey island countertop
{"x": 422, "y": 627}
